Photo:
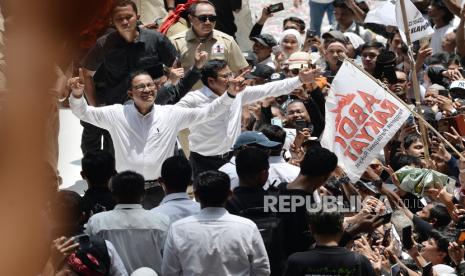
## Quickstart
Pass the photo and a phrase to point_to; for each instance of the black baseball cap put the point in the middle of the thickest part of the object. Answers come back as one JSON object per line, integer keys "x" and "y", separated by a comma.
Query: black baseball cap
{"x": 266, "y": 40}
{"x": 338, "y": 35}
{"x": 260, "y": 71}
{"x": 250, "y": 57}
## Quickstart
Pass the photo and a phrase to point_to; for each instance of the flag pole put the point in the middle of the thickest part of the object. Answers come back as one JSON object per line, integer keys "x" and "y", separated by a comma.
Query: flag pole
{"x": 416, "y": 114}
{"x": 416, "y": 86}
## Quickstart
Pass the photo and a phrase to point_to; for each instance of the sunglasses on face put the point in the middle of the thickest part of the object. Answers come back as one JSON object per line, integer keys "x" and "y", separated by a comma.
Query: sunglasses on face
{"x": 291, "y": 71}
{"x": 204, "y": 18}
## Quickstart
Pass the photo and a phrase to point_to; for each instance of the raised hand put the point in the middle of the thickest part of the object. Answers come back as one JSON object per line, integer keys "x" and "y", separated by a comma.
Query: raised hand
{"x": 454, "y": 137}
{"x": 265, "y": 15}
{"x": 176, "y": 72}
{"x": 423, "y": 53}
{"x": 309, "y": 75}
{"x": 301, "y": 137}
{"x": 200, "y": 57}
{"x": 237, "y": 84}
{"x": 76, "y": 84}
{"x": 60, "y": 249}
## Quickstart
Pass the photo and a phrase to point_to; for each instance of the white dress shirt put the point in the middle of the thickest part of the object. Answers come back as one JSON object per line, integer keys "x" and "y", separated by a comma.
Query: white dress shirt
{"x": 177, "y": 206}
{"x": 215, "y": 243}
{"x": 116, "y": 264}
{"x": 137, "y": 235}
{"x": 217, "y": 136}
{"x": 143, "y": 142}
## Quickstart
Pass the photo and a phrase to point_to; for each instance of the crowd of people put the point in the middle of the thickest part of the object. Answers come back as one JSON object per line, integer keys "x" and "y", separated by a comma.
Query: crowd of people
{"x": 187, "y": 140}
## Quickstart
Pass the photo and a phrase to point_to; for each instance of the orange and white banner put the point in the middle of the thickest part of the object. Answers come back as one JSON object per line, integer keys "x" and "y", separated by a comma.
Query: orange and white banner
{"x": 361, "y": 117}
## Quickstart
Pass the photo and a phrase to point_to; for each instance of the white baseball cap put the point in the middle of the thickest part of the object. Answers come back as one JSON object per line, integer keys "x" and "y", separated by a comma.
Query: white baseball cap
{"x": 459, "y": 84}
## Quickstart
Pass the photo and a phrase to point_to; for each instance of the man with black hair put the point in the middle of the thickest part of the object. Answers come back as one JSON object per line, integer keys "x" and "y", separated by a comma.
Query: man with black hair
{"x": 430, "y": 217}
{"x": 176, "y": 174}
{"x": 210, "y": 143}
{"x": 400, "y": 160}
{"x": 97, "y": 169}
{"x": 252, "y": 169}
{"x": 413, "y": 145}
{"x": 248, "y": 201}
{"x": 129, "y": 226}
{"x": 327, "y": 257}
{"x": 369, "y": 53}
{"x": 345, "y": 21}
{"x": 434, "y": 251}
{"x": 315, "y": 168}
{"x": 296, "y": 110}
{"x": 219, "y": 243}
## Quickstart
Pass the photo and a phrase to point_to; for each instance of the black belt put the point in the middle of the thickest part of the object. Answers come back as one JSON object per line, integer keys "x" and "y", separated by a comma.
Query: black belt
{"x": 220, "y": 156}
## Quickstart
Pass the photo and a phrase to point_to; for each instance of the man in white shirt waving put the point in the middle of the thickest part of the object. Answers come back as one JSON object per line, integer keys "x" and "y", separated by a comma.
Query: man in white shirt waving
{"x": 144, "y": 134}
{"x": 210, "y": 143}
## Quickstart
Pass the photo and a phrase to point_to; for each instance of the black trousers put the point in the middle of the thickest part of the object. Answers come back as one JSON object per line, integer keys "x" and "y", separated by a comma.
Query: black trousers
{"x": 201, "y": 163}
{"x": 91, "y": 139}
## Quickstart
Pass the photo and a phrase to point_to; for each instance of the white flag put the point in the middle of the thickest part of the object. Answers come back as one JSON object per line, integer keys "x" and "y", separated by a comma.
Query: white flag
{"x": 383, "y": 15}
{"x": 418, "y": 26}
{"x": 361, "y": 117}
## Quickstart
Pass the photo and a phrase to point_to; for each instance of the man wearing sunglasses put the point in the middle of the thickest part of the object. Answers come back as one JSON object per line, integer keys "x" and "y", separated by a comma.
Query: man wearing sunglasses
{"x": 203, "y": 19}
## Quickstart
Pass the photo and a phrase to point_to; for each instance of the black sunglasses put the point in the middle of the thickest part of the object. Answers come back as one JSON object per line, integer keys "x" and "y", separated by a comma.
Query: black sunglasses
{"x": 292, "y": 71}
{"x": 204, "y": 18}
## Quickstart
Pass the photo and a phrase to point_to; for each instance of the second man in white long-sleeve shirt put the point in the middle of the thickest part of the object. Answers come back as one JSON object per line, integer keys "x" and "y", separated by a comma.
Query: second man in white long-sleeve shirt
{"x": 210, "y": 142}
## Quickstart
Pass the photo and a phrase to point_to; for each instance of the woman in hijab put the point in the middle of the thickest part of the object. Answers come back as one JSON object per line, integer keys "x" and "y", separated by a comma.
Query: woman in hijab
{"x": 290, "y": 42}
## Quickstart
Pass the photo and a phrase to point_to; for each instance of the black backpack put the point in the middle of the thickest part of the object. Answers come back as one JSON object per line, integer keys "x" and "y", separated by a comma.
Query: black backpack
{"x": 271, "y": 229}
